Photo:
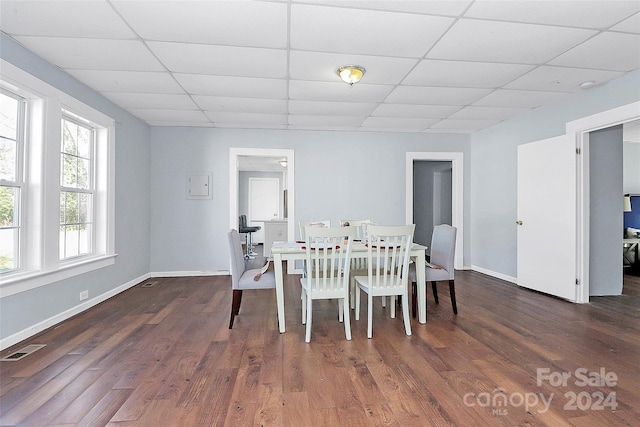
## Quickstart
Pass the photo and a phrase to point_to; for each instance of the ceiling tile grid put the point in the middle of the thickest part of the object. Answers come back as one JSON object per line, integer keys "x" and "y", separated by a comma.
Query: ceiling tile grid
{"x": 444, "y": 66}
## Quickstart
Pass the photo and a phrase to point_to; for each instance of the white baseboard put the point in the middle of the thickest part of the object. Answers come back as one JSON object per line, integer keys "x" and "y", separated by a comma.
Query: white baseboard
{"x": 495, "y": 274}
{"x": 47, "y": 323}
{"x": 189, "y": 273}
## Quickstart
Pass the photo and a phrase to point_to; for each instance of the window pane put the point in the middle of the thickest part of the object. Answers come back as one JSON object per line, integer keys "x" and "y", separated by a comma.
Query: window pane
{"x": 8, "y": 117}
{"x": 84, "y": 142}
{"x": 83, "y": 173}
{"x": 7, "y": 159}
{"x": 8, "y": 136}
{"x": 69, "y": 135}
{"x": 84, "y": 239}
{"x": 69, "y": 170}
{"x": 8, "y": 206}
{"x": 9, "y": 248}
{"x": 84, "y": 207}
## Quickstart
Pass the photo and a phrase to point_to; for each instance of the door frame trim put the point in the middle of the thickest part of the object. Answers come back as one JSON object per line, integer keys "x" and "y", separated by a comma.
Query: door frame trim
{"x": 457, "y": 193}
{"x": 580, "y": 128}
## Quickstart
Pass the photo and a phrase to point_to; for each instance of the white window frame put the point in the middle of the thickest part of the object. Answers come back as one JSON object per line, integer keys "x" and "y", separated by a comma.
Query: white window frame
{"x": 41, "y": 264}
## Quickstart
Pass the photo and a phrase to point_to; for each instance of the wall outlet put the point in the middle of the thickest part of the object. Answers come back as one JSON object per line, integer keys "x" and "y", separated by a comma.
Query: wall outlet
{"x": 84, "y": 295}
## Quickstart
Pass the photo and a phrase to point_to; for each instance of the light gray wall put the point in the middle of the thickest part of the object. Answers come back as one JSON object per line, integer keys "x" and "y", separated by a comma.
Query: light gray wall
{"x": 23, "y": 310}
{"x": 494, "y": 167}
{"x": 338, "y": 175}
{"x": 605, "y": 197}
{"x": 631, "y": 168}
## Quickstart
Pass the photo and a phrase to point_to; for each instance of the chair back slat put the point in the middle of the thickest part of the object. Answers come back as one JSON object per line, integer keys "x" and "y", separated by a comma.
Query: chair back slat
{"x": 327, "y": 256}
{"x": 388, "y": 255}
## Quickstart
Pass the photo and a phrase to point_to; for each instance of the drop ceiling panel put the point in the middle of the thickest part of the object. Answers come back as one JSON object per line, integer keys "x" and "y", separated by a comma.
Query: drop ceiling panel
{"x": 560, "y": 79}
{"x": 364, "y": 32}
{"x": 467, "y": 126}
{"x": 235, "y": 23}
{"x": 432, "y": 7}
{"x": 591, "y": 14}
{"x": 398, "y": 123}
{"x": 339, "y": 92}
{"x": 435, "y": 95}
{"x": 616, "y": 52}
{"x": 327, "y": 121}
{"x": 224, "y": 117}
{"x": 221, "y": 60}
{"x": 322, "y": 66}
{"x": 518, "y": 98}
{"x": 629, "y": 25}
{"x": 325, "y": 108}
{"x": 93, "y": 54}
{"x": 244, "y": 87}
{"x": 173, "y": 115}
{"x": 506, "y": 42}
{"x": 414, "y": 111}
{"x": 91, "y": 19}
{"x": 486, "y": 113}
{"x": 240, "y": 105}
{"x": 152, "y": 100}
{"x": 128, "y": 81}
{"x": 464, "y": 74}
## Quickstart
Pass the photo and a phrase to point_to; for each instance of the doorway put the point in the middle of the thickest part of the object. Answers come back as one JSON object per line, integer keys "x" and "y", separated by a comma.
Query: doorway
{"x": 580, "y": 129}
{"x": 431, "y": 198}
{"x": 457, "y": 205}
{"x": 283, "y": 155}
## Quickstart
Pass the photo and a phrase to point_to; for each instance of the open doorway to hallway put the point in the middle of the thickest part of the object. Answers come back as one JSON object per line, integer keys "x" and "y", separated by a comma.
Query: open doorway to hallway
{"x": 432, "y": 192}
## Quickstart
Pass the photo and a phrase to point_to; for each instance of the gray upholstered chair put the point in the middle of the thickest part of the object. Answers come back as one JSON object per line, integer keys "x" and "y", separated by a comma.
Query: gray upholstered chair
{"x": 243, "y": 278}
{"x": 443, "y": 248}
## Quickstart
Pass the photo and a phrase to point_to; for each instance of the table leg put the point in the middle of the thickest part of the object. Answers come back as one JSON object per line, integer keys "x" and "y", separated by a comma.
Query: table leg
{"x": 422, "y": 288}
{"x": 277, "y": 267}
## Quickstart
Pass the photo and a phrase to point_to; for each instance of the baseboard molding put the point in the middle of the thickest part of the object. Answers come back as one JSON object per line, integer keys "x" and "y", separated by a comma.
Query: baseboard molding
{"x": 189, "y": 273}
{"x": 54, "y": 320}
{"x": 495, "y": 274}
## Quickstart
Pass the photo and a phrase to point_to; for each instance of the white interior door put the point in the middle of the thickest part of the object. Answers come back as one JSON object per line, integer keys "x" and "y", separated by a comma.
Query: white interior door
{"x": 546, "y": 246}
{"x": 264, "y": 203}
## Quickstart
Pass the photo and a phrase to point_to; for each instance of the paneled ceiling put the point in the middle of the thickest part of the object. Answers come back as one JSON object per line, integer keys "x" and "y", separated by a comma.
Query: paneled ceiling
{"x": 432, "y": 66}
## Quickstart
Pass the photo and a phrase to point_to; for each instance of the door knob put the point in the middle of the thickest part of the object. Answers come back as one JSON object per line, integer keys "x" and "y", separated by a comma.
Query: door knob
{"x": 519, "y": 222}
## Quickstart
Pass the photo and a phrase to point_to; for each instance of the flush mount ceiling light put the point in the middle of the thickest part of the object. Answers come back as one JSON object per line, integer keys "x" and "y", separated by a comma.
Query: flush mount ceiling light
{"x": 283, "y": 163}
{"x": 351, "y": 73}
{"x": 587, "y": 84}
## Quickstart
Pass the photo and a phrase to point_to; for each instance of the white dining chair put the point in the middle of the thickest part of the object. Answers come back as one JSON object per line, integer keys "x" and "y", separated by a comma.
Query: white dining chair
{"x": 327, "y": 253}
{"x": 388, "y": 249}
{"x": 302, "y": 225}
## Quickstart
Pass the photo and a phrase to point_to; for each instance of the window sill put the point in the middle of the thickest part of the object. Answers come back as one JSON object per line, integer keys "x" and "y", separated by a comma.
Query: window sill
{"x": 24, "y": 281}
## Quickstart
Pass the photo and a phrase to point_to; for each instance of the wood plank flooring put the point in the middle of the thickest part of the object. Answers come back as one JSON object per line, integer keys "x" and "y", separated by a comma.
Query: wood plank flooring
{"x": 163, "y": 356}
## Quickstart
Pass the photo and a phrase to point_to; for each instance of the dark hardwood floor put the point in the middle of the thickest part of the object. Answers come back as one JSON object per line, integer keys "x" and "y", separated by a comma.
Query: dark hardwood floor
{"x": 163, "y": 356}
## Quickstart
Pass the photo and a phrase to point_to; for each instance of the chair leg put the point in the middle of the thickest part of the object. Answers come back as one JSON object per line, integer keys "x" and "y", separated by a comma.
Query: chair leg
{"x": 405, "y": 315}
{"x": 414, "y": 299}
{"x": 452, "y": 292}
{"x": 235, "y": 305}
{"x": 347, "y": 320}
{"x": 308, "y": 332}
{"x": 435, "y": 292}
{"x": 303, "y": 297}
{"x": 370, "y": 316}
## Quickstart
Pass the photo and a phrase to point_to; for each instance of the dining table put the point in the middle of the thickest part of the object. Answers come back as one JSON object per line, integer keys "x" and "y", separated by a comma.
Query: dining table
{"x": 291, "y": 251}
